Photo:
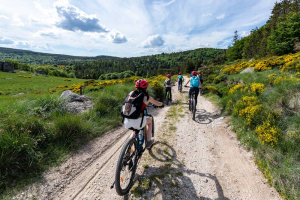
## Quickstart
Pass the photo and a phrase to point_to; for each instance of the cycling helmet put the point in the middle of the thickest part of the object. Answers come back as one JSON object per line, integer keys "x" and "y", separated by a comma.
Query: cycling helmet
{"x": 169, "y": 75}
{"x": 179, "y": 73}
{"x": 142, "y": 83}
{"x": 194, "y": 73}
{"x": 199, "y": 72}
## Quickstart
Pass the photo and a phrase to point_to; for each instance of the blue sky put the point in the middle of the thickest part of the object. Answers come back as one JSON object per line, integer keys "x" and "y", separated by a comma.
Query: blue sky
{"x": 126, "y": 28}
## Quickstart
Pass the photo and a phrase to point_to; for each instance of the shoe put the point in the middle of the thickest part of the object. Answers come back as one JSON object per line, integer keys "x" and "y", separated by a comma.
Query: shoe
{"x": 150, "y": 143}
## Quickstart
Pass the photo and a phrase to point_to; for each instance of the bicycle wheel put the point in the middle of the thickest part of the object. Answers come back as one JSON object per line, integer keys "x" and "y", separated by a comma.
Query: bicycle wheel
{"x": 152, "y": 126}
{"x": 125, "y": 167}
{"x": 167, "y": 99}
{"x": 194, "y": 108}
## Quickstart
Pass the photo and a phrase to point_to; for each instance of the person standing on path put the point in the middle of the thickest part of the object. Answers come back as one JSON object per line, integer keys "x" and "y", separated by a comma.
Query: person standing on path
{"x": 168, "y": 84}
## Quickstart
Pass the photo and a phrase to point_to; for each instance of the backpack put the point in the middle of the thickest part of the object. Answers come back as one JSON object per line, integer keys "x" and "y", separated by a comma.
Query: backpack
{"x": 132, "y": 106}
{"x": 200, "y": 76}
{"x": 195, "y": 81}
{"x": 180, "y": 77}
{"x": 168, "y": 82}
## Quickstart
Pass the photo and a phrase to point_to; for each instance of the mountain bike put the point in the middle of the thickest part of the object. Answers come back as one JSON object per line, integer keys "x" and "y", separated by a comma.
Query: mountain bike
{"x": 130, "y": 155}
{"x": 192, "y": 105}
{"x": 179, "y": 87}
{"x": 168, "y": 98}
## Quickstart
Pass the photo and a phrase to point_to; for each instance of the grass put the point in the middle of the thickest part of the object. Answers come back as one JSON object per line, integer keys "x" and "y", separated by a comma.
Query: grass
{"x": 278, "y": 161}
{"x": 11, "y": 84}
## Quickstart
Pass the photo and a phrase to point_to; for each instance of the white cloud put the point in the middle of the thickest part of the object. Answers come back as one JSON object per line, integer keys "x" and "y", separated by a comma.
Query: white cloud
{"x": 4, "y": 40}
{"x": 221, "y": 16}
{"x": 153, "y": 41}
{"x": 73, "y": 19}
{"x": 2, "y": 17}
{"x": 17, "y": 21}
{"x": 203, "y": 45}
{"x": 116, "y": 37}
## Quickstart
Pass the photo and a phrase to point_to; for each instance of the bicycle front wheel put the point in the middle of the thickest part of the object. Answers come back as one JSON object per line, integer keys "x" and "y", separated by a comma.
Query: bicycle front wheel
{"x": 126, "y": 167}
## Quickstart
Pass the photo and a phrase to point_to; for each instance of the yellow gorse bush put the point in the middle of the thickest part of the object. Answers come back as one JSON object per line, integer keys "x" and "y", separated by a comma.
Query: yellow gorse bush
{"x": 268, "y": 133}
{"x": 211, "y": 89}
{"x": 153, "y": 82}
{"x": 285, "y": 63}
{"x": 251, "y": 113}
{"x": 272, "y": 75}
{"x": 234, "y": 69}
{"x": 297, "y": 74}
{"x": 249, "y": 109}
{"x": 265, "y": 65}
{"x": 258, "y": 88}
{"x": 238, "y": 87}
{"x": 23, "y": 76}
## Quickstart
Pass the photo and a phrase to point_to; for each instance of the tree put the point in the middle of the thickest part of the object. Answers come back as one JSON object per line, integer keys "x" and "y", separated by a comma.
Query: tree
{"x": 235, "y": 37}
{"x": 283, "y": 40}
{"x": 236, "y": 51}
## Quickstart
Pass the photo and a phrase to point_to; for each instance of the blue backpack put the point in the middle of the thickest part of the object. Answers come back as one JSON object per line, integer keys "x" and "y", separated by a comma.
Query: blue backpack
{"x": 195, "y": 81}
{"x": 180, "y": 77}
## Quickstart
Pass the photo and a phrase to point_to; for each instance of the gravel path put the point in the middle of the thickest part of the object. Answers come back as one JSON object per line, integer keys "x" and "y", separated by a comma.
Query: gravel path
{"x": 199, "y": 159}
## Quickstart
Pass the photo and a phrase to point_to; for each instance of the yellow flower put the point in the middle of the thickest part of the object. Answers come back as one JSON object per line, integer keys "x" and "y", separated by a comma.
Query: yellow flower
{"x": 258, "y": 88}
{"x": 238, "y": 87}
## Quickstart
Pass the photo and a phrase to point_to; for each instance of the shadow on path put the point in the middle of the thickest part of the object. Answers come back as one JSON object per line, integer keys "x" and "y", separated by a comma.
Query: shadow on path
{"x": 204, "y": 117}
{"x": 170, "y": 180}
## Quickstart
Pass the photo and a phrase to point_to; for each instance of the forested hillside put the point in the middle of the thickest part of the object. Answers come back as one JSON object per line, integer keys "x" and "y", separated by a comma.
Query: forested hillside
{"x": 280, "y": 35}
{"x": 152, "y": 65}
{"x": 31, "y": 57}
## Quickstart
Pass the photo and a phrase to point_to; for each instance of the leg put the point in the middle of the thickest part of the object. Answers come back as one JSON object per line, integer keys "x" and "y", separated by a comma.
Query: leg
{"x": 149, "y": 128}
{"x": 170, "y": 93}
{"x": 190, "y": 94}
{"x": 166, "y": 89}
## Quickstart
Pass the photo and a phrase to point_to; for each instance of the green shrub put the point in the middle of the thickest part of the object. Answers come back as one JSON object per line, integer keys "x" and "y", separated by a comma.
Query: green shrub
{"x": 69, "y": 128}
{"x": 220, "y": 78}
{"x": 18, "y": 156}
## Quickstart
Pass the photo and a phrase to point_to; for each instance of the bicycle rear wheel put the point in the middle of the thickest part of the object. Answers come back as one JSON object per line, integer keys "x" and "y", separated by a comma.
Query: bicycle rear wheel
{"x": 168, "y": 99}
{"x": 194, "y": 108}
{"x": 126, "y": 167}
{"x": 152, "y": 126}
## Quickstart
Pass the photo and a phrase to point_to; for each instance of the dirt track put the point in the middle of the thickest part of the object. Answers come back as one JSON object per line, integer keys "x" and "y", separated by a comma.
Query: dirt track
{"x": 198, "y": 159}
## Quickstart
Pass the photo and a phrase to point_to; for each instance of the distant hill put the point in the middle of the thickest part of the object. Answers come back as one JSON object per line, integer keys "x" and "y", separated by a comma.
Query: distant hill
{"x": 31, "y": 57}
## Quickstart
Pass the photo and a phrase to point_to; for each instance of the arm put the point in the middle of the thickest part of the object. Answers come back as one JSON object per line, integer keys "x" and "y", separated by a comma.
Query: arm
{"x": 153, "y": 101}
{"x": 187, "y": 82}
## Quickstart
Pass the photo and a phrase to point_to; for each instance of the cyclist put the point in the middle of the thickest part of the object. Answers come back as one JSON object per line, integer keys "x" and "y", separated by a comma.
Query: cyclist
{"x": 195, "y": 85}
{"x": 180, "y": 79}
{"x": 200, "y": 75}
{"x": 141, "y": 86}
{"x": 168, "y": 84}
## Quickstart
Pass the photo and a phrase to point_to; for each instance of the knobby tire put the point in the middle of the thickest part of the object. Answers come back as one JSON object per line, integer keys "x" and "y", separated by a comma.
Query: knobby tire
{"x": 120, "y": 166}
{"x": 194, "y": 109}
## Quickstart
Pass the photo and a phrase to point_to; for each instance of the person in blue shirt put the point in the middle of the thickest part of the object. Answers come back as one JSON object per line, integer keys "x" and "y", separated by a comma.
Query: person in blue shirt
{"x": 180, "y": 79}
{"x": 195, "y": 85}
